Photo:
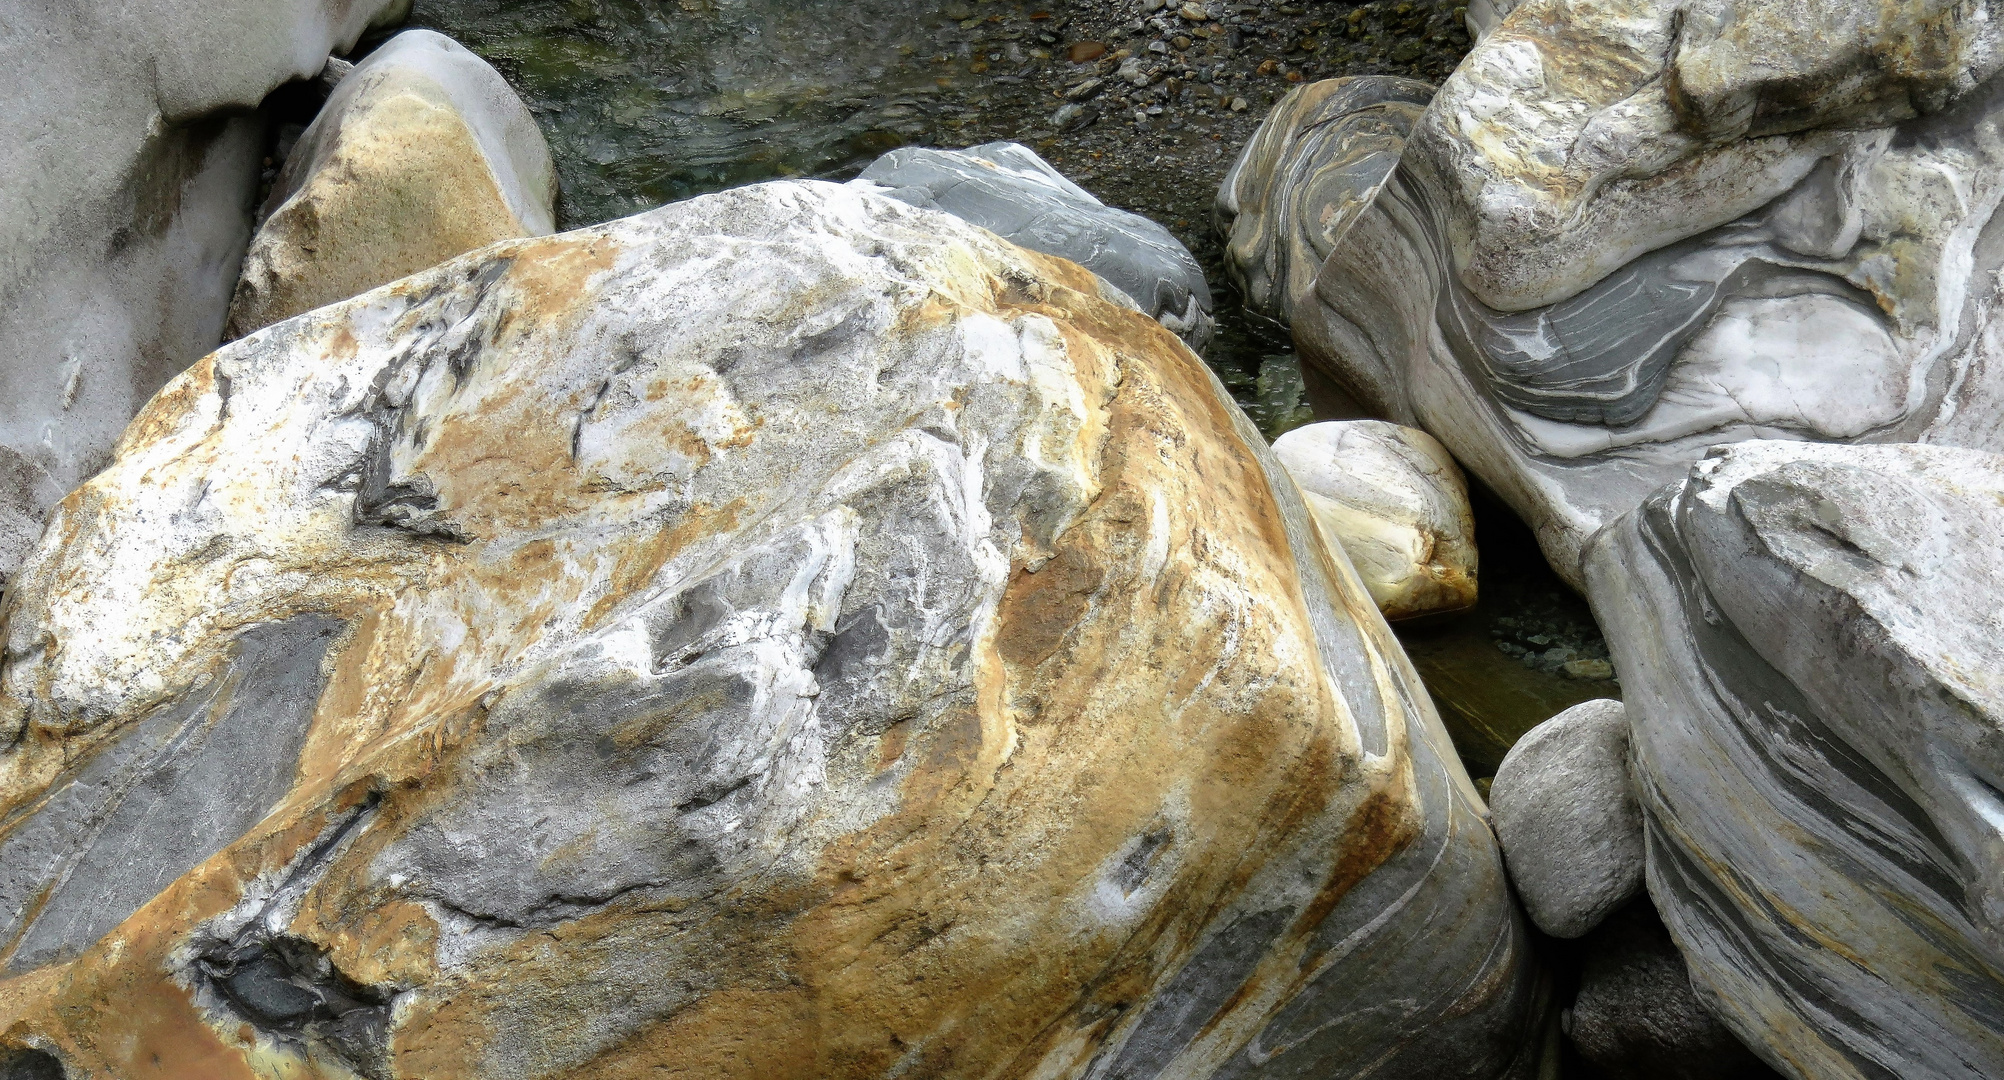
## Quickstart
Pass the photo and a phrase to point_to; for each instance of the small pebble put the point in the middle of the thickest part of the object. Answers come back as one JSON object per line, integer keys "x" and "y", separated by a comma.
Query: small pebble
{"x": 1085, "y": 52}
{"x": 1193, "y": 13}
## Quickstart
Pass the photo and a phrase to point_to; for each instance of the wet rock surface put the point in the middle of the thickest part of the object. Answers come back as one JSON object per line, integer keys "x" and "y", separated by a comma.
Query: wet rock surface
{"x": 599, "y": 693}
{"x": 421, "y": 152}
{"x": 1808, "y": 641}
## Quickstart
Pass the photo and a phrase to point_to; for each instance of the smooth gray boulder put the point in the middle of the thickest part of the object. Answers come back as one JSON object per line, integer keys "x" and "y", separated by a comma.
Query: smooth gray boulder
{"x": 786, "y": 633}
{"x": 1635, "y": 1015}
{"x": 125, "y": 202}
{"x": 1813, "y": 659}
{"x": 422, "y": 152}
{"x": 1007, "y": 189}
{"x": 1614, "y": 241}
{"x": 1565, "y": 812}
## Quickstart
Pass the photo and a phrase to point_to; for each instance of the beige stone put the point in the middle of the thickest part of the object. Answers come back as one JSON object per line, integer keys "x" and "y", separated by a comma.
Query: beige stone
{"x": 423, "y": 152}
{"x": 1393, "y": 499}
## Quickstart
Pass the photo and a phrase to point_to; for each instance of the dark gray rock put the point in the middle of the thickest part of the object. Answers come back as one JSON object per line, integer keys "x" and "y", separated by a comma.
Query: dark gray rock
{"x": 1636, "y": 1016}
{"x": 1567, "y": 818}
{"x": 1010, "y": 191}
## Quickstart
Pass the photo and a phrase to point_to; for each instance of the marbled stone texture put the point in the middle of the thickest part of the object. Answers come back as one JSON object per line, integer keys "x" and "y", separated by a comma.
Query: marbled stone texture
{"x": 1832, "y": 284}
{"x": 1810, "y": 641}
{"x": 1316, "y": 163}
{"x": 786, "y": 633}
{"x": 421, "y": 153}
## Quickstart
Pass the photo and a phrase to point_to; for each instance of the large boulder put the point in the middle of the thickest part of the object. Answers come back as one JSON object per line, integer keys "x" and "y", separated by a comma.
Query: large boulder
{"x": 1007, "y": 189}
{"x": 125, "y": 201}
{"x": 422, "y": 152}
{"x": 1394, "y": 501}
{"x": 1613, "y": 240}
{"x": 1811, "y": 652}
{"x": 786, "y": 633}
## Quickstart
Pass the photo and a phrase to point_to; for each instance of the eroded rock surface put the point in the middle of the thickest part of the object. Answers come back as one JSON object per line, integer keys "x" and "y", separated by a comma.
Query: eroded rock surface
{"x": 1010, "y": 191}
{"x": 787, "y": 633}
{"x": 1809, "y": 640}
{"x": 125, "y": 203}
{"x": 1565, "y": 812}
{"x": 1614, "y": 241}
{"x": 421, "y": 153}
{"x": 1395, "y": 502}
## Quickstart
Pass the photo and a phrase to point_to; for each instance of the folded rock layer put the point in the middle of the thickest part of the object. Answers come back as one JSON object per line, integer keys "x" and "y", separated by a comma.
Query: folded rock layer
{"x": 1809, "y": 645}
{"x": 786, "y": 633}
{"x": 1583, "y": 271}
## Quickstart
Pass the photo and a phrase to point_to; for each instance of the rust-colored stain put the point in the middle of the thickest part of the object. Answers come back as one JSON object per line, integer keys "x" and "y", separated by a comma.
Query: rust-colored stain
{"x": 1150, "y": 671}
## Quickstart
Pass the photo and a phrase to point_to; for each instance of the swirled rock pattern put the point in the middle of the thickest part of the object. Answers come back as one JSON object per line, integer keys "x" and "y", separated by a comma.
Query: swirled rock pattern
{"x": 1007, "y": 189}
{"x": 787, "y": 633}
{"x": 1810, "y": 644}
{"x": 1585, "y": 270}
{"x": 1393, "y": 499}
{"x": 422, "y": 152}
{"x": 125, "y": 199}
{"x": 1317, "y": 162}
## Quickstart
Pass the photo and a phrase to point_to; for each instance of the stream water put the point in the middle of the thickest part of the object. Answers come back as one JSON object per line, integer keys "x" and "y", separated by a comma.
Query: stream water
{"x": 650, "y": 101}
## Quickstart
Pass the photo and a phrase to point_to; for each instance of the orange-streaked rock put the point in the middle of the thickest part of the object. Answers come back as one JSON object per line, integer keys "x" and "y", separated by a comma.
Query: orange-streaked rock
{"x": 787, "y": 633}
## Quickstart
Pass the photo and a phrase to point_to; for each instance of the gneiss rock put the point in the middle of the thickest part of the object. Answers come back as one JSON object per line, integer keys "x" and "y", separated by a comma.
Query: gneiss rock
{"x": 788, "y": 633}
{"x": 1565, "y": 812}
{"x": 421, "y": 153}
{"x": 1010, "y": 191}
{"x": 1635, "y": 1014}
{"x": 1809, "y": 642}
{"x": 125, "y": 191}
{"x": 1315, "y": 164}
{"x": 1393, "y": 499}
{"x": 1610, "y": 245}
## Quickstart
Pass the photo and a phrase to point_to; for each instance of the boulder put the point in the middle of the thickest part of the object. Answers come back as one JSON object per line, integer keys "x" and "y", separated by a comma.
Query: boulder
{"x": 422, "y": 152}
{"x": 785, "y": 633}
{"x": 1614, "y": 240}
{"x": 125, "y": 202}
{"x": 1566, "y": 815}
{"x": 1635, "y": 1015}
{"x": 1010, "y": 191}
{"x": 1315, "y": 164}
{"x": 1809, "y": 643}
{"x": 1394, "y": 501}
